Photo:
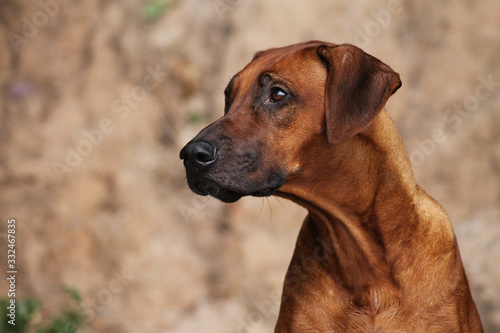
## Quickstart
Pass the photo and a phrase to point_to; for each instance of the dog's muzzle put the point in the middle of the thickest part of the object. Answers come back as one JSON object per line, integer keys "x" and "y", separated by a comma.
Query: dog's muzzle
{"x": 198, "y": 157}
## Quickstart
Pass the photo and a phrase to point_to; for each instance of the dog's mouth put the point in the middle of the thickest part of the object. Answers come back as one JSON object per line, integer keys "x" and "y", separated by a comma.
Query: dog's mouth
{"x": 228, "y": 195}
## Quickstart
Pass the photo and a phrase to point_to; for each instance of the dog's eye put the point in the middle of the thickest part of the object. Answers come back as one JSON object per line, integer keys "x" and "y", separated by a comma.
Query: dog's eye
{"x": 277, "y": 94}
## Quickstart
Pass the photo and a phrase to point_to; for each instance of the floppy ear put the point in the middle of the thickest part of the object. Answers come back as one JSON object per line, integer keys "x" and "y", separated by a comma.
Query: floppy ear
{"x": 357, "y": 88}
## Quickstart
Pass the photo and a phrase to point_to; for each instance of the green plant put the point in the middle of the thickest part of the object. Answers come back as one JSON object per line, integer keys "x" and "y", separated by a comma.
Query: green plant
{"x": 26, "y": 311}
{"x": 28, "y": 315}
{"x": 153, "y": 9}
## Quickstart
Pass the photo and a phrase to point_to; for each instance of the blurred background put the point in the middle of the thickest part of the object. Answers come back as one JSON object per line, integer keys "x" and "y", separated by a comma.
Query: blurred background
{"x": 98, "y": 97}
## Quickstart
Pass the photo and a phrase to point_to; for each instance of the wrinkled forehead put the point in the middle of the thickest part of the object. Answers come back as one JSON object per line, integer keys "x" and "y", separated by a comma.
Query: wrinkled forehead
{"x": 290, "y": 58}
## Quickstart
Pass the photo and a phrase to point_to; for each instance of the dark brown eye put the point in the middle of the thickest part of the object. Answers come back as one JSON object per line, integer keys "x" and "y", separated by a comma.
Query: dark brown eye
{"x": 277, "y": 94}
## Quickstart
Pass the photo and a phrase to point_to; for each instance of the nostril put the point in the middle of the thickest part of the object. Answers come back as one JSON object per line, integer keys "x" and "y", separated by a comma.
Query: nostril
{"x": 204, "y": 157}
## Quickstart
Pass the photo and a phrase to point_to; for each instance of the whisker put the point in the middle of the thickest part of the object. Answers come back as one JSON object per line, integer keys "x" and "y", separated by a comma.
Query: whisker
{"x": 281, "y": 204}
{"x": 270, "y": 209}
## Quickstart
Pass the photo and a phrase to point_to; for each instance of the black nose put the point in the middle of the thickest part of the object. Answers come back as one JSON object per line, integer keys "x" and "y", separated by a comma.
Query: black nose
{"x": 199, "y": 154}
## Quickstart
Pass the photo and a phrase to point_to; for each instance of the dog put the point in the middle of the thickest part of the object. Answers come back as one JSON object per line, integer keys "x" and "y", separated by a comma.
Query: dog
{"x": 307, "y": 122}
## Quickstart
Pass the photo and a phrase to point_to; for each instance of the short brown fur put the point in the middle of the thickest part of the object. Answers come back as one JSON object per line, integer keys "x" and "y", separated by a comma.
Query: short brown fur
{"x": 375, "y": 253}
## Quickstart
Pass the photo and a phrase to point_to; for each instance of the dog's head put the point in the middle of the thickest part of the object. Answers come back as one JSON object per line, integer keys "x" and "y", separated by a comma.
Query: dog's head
{"x": 277, "y": 108}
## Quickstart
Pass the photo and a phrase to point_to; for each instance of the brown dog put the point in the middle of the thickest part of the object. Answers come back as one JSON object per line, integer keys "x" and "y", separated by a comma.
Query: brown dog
{"x": 376, "y": 253}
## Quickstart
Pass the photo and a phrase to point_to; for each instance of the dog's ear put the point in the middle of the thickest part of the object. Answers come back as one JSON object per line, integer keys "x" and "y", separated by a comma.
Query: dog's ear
{"x": 357, "y": 88}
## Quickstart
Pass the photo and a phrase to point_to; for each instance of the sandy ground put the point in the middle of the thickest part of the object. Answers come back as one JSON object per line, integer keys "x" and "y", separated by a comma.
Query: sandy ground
{"x": 98, "y": 97}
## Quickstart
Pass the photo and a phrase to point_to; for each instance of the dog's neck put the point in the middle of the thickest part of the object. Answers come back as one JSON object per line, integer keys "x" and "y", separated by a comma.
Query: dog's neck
{"x": 354, "y": 177}
{"x": 356, "y": 203}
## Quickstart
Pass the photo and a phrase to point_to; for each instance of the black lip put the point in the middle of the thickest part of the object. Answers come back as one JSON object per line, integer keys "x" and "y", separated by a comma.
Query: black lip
{"x": 267, "y": 192}
{"x": 228, "y": 196}
{"x": 205, "y": 187}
